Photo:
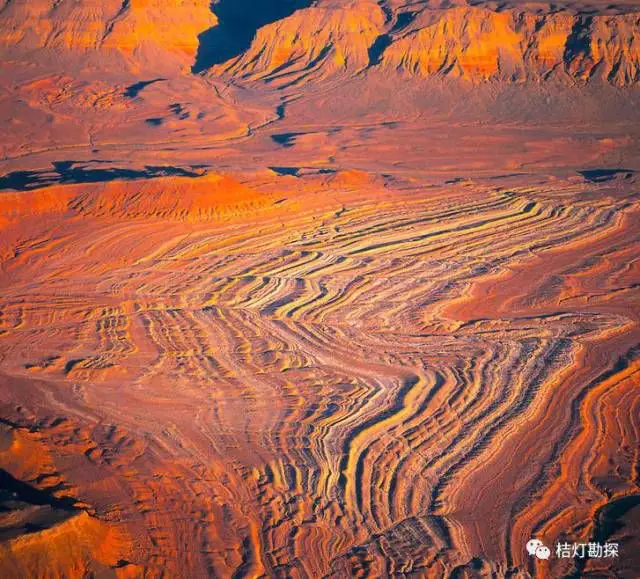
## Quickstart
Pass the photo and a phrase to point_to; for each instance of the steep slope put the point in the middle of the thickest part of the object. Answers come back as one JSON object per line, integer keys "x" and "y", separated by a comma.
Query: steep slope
{"x": 312, "y": 42}
{"x": 481, "y": 44}
{"x": 170, "y": 24}
{"x": 69, "y": 24}
{"x": 72, "y": 548}
{"x": 125, "y": 25}
{"x": 526, "y": 42}
{"x": 44, "y": 532}
{"x": 607, "y": 47}
{"x": 477, "y": 43}
{"x": 473, "y": 43}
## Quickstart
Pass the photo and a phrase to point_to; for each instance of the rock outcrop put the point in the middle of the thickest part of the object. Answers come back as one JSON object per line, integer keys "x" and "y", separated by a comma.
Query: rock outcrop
{"x": 314, "y": 41}
{"x": 476, "y": 43}
{"x": 481, "y": 44}
{"x": 473, "y": 43}
{"x": 125, "y": 25}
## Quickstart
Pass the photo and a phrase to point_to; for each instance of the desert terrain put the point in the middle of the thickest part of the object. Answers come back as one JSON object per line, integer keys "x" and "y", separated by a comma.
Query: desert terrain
{"x": 319, "y": 289}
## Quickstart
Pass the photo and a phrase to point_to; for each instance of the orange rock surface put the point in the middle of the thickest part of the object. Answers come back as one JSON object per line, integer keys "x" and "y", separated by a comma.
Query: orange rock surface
{"x": 318, "y": 39}
{"x": 114, "y": 24}
{"x": 480, "y": 44}
{"x": 330, "y": 289}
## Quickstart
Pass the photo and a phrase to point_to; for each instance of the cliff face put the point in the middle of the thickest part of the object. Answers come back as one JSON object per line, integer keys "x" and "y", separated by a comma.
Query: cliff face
{"x": 480, "y": 44}
{"x": 174, "y": 24}
{"x": 473, "y": 43}
{"x": 476, "y": 44}
{"x": 607, "y": 47}
{"x": 119, "y": 24}
{"x": 318, "y": 39}
{"x": 70, "y": 25}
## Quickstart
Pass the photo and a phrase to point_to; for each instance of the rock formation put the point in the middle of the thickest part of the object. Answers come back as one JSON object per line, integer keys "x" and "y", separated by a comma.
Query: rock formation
{"x": 347, "y": 289}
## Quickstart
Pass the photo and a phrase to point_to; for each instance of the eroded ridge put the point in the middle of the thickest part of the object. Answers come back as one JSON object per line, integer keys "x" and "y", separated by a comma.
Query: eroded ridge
{"x": 398, "y": 382}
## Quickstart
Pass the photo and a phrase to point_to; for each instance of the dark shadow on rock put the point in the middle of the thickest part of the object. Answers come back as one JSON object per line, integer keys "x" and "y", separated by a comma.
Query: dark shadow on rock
{"x": 376, "y": 50}
{"x": 616, "y": 516}
{"x": 132, "y": 91}
{"x": 578, "y": 43}
{"x": 604, "y": 175}
{"x": 302, "y": 171}
{"x": 12, "y": 489}
{"x": 67, "y": 172}
{"x": 285, "y": 139}
{"x": 293, "y": 171}
{"x": 238, "y": 21}
{"x": 26, "y": 509}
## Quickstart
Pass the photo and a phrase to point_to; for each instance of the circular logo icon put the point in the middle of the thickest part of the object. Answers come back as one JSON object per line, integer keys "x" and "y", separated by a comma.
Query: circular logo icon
{"x": 543, "y": 552}
{"x": 536, "y": 548}
{"x": 532, "y": 545}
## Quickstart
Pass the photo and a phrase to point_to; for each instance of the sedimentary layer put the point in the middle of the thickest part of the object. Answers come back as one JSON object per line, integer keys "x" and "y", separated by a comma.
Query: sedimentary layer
{"x": 88, "y": 25}
{"x": 477, "y": 43}
{"x": 370, "y": 381}
{"x": 473, "y": 43}
{"x": 356, "y": 296}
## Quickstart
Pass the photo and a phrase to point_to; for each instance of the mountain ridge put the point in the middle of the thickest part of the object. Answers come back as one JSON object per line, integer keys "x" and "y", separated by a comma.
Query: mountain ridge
{"x": 477, "y": 43}
{"x": 472, "y": 43}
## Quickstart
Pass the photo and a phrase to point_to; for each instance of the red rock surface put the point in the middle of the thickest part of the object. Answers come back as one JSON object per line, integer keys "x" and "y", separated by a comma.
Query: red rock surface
{"x": 330, "y": 289}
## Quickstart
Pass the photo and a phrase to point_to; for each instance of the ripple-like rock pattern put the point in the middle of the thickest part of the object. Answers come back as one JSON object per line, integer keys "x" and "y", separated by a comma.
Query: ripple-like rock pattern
{"x": 394, "y": 382}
